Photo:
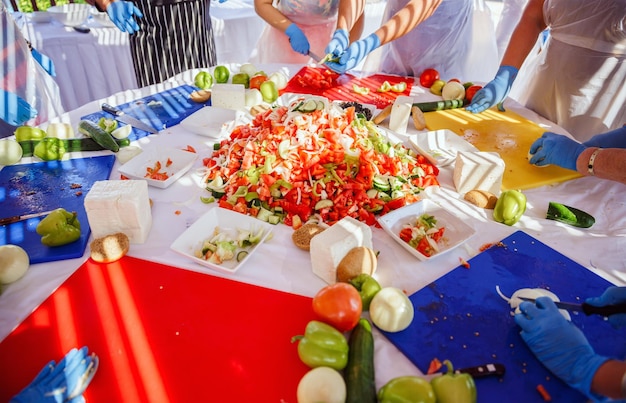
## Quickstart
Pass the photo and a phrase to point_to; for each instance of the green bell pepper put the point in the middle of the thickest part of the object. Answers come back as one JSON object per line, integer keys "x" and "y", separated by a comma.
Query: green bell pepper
{"x": 58, "y": 228}
{"x": 407, "y": 389}
{"x": 24, "y": 133}
{"x": 50, "y": 149}
{"x": 322, "y": 346}
{"x": 454, "y": 388}
{"x": 510, "y": 207}
{"x": 367, "y": 287}
{"x": 203, "y": 80}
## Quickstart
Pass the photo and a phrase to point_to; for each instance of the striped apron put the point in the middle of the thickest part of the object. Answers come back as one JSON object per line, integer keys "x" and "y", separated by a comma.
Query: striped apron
{"x": 174, "y": 36}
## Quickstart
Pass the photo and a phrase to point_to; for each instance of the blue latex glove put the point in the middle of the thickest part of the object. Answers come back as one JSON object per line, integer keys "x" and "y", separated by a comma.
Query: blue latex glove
{"x": 613, "y": 139}
{"x": 495, "y": 91}
{"x": 552, "y": 148}
{"x": 62, "y": 382}
{"x": 124, "y": 14}
{"x": 44, "y": 61}
{"x": 297, "y": 39}
{"x": 558, "y": 344}
{"x": 15, "y": 110}
{"x": 338, "y": 43}
{"x": 612, "y": 296}
{"x": 355, "y": 53}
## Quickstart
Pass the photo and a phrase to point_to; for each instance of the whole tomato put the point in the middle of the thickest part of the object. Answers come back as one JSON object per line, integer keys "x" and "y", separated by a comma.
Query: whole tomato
{"x": 256, "y": 81}
{"x": 339, "y": 305}
{"x": 469, "y": 93}
{"x": 428, "y": 77}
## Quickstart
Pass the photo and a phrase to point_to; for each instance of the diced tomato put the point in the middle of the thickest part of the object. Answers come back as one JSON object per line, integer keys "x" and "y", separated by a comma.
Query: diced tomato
{"x": 406, "y": 234}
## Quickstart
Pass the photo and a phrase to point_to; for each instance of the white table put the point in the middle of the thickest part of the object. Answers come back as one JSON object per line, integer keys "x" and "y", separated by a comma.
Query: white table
{"x": 599, "y": 248}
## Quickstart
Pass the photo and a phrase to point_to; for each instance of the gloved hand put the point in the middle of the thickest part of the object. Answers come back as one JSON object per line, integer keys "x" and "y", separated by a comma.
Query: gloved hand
{"x": 613, "y": 139}
{"x": 558, "y": 344}
{"x": 44, "y": 61}
{"x": 15, "y": 110}
{"x": 297, "y": 39}
{"x": 124, "y": 14}
{"x": 63, "y": 382}
{"x": 495, "y": 91}
{"x": 612, "y": 296}
{"x": 552, "y": 148}
{"x": 338, "y": 43}
{"x": 355, "y": 53}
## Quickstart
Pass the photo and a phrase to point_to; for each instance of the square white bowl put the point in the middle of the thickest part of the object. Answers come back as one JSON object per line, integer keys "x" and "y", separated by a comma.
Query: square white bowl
{"x": 72, "y": 14}
{"x": 211, "y": 121}
{"x": 227, "y": 221}
{"x": 440, "y": 146}
{"x": 181, "y": 162}
{"x": 456, "y": 231}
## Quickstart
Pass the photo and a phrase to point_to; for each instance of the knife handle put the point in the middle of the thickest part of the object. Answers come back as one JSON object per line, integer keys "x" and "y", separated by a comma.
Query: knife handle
{"x": 111, "y": 109}
{"x": 483, "y": 370}
{"x": 10, "y": 220}
{"x": 606, "y": 310}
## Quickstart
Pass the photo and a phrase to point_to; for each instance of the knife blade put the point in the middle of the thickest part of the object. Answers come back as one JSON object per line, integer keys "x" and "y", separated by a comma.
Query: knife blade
{"x": 315, "y": 57}
{"x": 18, "y": 218}
{"x": 125, "y": 118}
{"x": 585, "y": 308}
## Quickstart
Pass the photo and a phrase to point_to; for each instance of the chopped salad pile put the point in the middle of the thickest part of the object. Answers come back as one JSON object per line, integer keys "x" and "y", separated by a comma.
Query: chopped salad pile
{"x": 423, "y": 234}
{"x": 314, "y": 160}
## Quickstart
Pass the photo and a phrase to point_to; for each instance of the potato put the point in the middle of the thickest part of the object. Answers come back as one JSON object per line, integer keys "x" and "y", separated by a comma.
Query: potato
{"x": 358, "y": 260}
{"x": 481, "y": 198}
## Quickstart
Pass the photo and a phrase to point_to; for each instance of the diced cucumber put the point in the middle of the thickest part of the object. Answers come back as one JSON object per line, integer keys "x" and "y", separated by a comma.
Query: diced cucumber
{"x": 241, "y": 255}
{"x": 274, "y": 219}
{"x": 263, "y": 214}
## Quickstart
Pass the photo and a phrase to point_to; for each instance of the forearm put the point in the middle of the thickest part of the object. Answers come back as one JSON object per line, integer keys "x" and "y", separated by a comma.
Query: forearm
{"x": 609, "y": 163}
{"x": 349, "y": 13}
{"x": 101, "y": 5}
{"x": 271, "y": 15}
{"x": 608, "y": 379}
{"x": 406, "y": 19}
{"x": 357, "y": 29}
{"x": 525, "y": 34}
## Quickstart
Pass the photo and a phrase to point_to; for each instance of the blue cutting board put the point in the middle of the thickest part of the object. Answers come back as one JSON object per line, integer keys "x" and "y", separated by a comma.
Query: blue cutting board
{"x": 43, "y": 186}
{"x": 160, "y": 110}
{"x": 462, "y": 318}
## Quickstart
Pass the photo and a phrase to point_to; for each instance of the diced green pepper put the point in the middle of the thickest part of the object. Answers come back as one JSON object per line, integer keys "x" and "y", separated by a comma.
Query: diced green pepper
{"x": 58, "y": 228}
{"x": 510, "y": 207}
{"x": 50, "y": 149}
{"x": 322, "y": 345}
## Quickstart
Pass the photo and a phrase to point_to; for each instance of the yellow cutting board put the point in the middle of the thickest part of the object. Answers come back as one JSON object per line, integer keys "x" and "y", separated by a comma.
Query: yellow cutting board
{"x": 506, "y": 133}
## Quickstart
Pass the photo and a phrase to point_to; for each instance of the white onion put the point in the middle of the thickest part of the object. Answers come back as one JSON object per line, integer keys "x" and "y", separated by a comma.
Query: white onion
{"x": 322, "y": 384}
{"x": 391, "y": 310}
{"x": 534, "y": 293}
{"x": 14, "y": 262}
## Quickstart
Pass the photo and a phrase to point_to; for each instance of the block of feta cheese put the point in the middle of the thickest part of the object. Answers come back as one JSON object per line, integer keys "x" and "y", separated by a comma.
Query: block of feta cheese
{"x": 478, "y": 170}
{"x": 114, "y": 206}
{"x": 400, "y": 113}
{"x": 229, "y": 96}
{"x": 331, "y": 245}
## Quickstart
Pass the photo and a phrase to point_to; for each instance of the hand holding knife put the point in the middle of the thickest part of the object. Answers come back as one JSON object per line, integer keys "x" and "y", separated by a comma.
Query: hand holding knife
{"x": 586, "y": 308}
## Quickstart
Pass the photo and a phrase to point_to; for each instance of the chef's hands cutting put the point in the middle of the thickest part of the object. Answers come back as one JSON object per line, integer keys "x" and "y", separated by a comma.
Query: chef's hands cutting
{"x": 558, "y": 343}
{"x": 124, "y": 14}
{"x": 297, "y": 39}
{"x": 495, "y": 91}
{"x": 552, "y": 148}
{"x": 612, "y": 296}
{"x": 62, "y": 382}
{"x": 338, "y": 43}
{"x": 15, "y": 110}
{"x": 355, "y": 53}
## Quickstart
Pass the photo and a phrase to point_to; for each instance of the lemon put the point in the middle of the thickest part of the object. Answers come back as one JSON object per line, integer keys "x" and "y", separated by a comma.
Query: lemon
{"x": 10, "y": 152}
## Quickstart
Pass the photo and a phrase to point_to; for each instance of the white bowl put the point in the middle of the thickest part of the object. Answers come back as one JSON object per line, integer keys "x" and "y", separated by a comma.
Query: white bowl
{"x": 40, "y": 16}
{"x": 212, "y": 121}
{"x": 72, "y": 14}
{"x": 101, "y": 17}
{"x": 174, "y": 163}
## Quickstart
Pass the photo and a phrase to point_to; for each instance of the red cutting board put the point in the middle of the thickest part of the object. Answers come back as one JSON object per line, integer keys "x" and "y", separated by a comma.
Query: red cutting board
{"x": 44, "y": 186}
{"x": 164, "y": 334}
{"x": 341, "y": 86}
{"x": 461, "y": 317}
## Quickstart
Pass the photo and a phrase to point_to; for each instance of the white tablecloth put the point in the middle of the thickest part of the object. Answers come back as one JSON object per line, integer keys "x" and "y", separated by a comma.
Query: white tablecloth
{"x": 599, "y": 248}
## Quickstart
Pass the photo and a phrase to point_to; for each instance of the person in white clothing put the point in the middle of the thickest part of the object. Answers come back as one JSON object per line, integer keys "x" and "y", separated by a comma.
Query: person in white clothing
{"x": 577, "y": 80}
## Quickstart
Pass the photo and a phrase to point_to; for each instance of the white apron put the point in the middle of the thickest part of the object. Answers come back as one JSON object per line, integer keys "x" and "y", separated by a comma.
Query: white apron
{"x": 316, "y": 18}
{"x": 579, "y": 79}
{"x": 458, "y": 40}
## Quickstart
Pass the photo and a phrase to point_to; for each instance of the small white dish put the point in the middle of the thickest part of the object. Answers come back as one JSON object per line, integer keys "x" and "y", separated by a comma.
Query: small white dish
{"x": 72, "y": 14}
{"x": 440, "y": 146}
{"x": 211, "y": 121}
{"x": 174, "y": 162}
{"x": 228, "y": 222}
{"x": 40, "y": 16}
{"x": 456, "y": 231}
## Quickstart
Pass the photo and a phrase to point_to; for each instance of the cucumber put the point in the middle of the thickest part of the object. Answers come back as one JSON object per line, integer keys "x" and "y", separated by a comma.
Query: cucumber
{"x": 359, "y": 373}
{"x": 440, "y": 105}
{"x": 71, "y": 145}
{"x": 569, "y": 215}
{"x": 91, "y": 129}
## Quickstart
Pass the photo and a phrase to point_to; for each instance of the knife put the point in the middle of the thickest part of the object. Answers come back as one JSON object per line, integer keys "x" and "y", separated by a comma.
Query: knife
{"x": 18, "y": 218}
{"x": 123, "y": 117}
{"x": 479, "y": 371}
{"x": 587, "y": 309}
{"x": 315, "y": 57}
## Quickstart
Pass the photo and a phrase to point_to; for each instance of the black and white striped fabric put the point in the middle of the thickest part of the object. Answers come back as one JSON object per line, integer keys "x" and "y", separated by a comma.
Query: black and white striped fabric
{"x": 175, "y": 36}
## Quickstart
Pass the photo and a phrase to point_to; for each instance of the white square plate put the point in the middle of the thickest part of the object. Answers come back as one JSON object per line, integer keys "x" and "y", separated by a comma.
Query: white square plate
{"x": 181, "y": 161}
{"x": 456, "y": 231}
{"x": 228, "y": 222}
{"x": 211, "y": 121}
{"x": 440, "y": 146}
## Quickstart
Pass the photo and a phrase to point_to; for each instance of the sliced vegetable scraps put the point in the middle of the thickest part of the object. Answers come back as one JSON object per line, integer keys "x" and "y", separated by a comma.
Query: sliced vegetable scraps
{"x": 228, "y": 244}
{"x": 423, "y": 234}
{"x": 327, "y": 163}
{"x": 155, "y": 172}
